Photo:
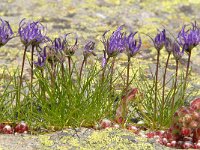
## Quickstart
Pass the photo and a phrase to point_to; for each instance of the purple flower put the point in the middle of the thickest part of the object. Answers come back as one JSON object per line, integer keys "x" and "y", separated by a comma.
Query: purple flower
{"x": 188, "y": 39}
{"x": 133, "y": 45}
{"x": 6, "y": 32}
{"x": 69, "y": 50}
{"x": 116, "y": 43}
{"x": 159, "y": 40}
{"x": 88, "y": 49}
{"x": 56, "y": 50}
{"x": 168, "y": 45}
{"x": 176, "y": 51}
{"x": 41, "y": 59}
{"x": 31, "y": 33}
{"x": 58, "y": 44}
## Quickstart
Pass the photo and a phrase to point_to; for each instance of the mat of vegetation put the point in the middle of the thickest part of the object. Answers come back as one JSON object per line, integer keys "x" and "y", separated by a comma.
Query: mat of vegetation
{"x": 76, "y": 64}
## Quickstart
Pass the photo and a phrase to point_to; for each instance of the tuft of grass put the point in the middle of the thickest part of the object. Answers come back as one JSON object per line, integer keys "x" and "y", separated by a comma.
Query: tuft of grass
{"x": 144, "y": 108}
{"x": 70, "y": 101}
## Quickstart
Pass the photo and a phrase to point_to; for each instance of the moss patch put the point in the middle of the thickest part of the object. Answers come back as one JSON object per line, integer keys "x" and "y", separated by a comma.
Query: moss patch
{"x": 116, "y": 139}
{"x": 45, "y": 140}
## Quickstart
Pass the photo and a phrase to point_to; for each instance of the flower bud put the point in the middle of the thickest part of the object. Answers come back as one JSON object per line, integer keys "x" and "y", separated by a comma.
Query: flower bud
{"x": 185, "y": 131}
{"x": 193, "y": 124}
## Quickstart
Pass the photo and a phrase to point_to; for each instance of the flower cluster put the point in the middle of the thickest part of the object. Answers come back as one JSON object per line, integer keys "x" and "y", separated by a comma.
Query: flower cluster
{"x": 41, "y": 59}
{"x": 159, "y": 40}
{"x": 60, "y": 48}
{"x": 132, "y": 45}
{"x": 115, "y": 44}
{"x": 55, "y": 53}
{"x": 177, "y": 52}
{"x": 69, "y": 50}
{"x": 58, "y": 44}
{"x": 6, "y": 32}
{"x": 189, "y": 38}
{"x": 119, "y": 42}
{"x": 88, "y": 49}
{"x": 32, "y": 33}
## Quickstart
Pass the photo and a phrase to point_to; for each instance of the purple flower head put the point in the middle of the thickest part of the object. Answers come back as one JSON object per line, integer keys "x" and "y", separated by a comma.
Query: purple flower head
{"x": 41, "y": 59}
{"x": 6, "y": 32}
{"x": 168, "y": 45}
{"x": 116, "y": 43}
{"x": 159, "y": 40}
{"x": 177, "y": 51}
{"x": 133, "y": 45}
{"x": 31, "y": 33}
{"x": 56, "y": 50}
{"x": 88, "y": 49}
{"x": 69, "y": 50}
{"x": 190, "y": 38}
{"x": 58, "y": 44}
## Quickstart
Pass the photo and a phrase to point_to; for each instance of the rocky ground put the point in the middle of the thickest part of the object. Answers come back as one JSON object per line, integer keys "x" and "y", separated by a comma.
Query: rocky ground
{"x": 89, "y": 19}
{"x": 80, "y": 139}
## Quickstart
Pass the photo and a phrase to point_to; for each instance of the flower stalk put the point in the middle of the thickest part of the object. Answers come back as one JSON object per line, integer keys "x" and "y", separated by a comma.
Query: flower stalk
{"x": 169, "y": 49}
{"x": 112, "y": 72}
{"x": 163, "y": 88}
{"x": 156, "y": 88}
{"x": 128, "y": 69}
{"x": 69, "y": 64}
{"x": 88, "y": 50}
{"x": 175, "y": 87}
{"x": 188, "y": 39}
{"x": 177, "y": 55}
{"x": 159, "y": 42}
{"x": 81, "y": 70}
{"x": 20, "y": 79}
{"x": 31, "y": 86}
{"x": 187, "y": 74}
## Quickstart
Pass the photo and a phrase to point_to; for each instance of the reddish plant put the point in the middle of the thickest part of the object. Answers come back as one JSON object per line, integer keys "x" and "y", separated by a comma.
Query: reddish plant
{"x": 122, "y": 110}
{"x": 2, "y": 125}
{"x": 185, "y": 129}
{"x": 21, "y": 127}
{"x": 105, "y": 123}
{"x": 7, "y": 129}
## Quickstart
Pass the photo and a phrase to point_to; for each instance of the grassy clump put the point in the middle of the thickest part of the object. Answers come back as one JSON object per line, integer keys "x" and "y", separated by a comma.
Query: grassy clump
{"x": 69, "y": 101}
{"x": 60, "y": 93}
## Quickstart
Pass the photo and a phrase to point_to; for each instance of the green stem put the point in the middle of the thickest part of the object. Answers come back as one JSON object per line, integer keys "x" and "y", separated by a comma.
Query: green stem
{"x": 156, "y": 90}
{"x": 112, "y": 72}
{"x": 20, "y": 82}
{"x": 42, "y": 88}
{"x": 69, "y": 64}
{"x": 52, "y": 75}
{"x": 127, "y": 80}
{"x": 104, "y": 69}
{"x": 82, "y": 68}
{"x": 163, "y": 90}
{"x": 175, "y": 86}
{"x": 62, "y": 69}
{"x": 31, "y": 86}
{"x": 23, "y": 61}
{"x": 187, "y": 74}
